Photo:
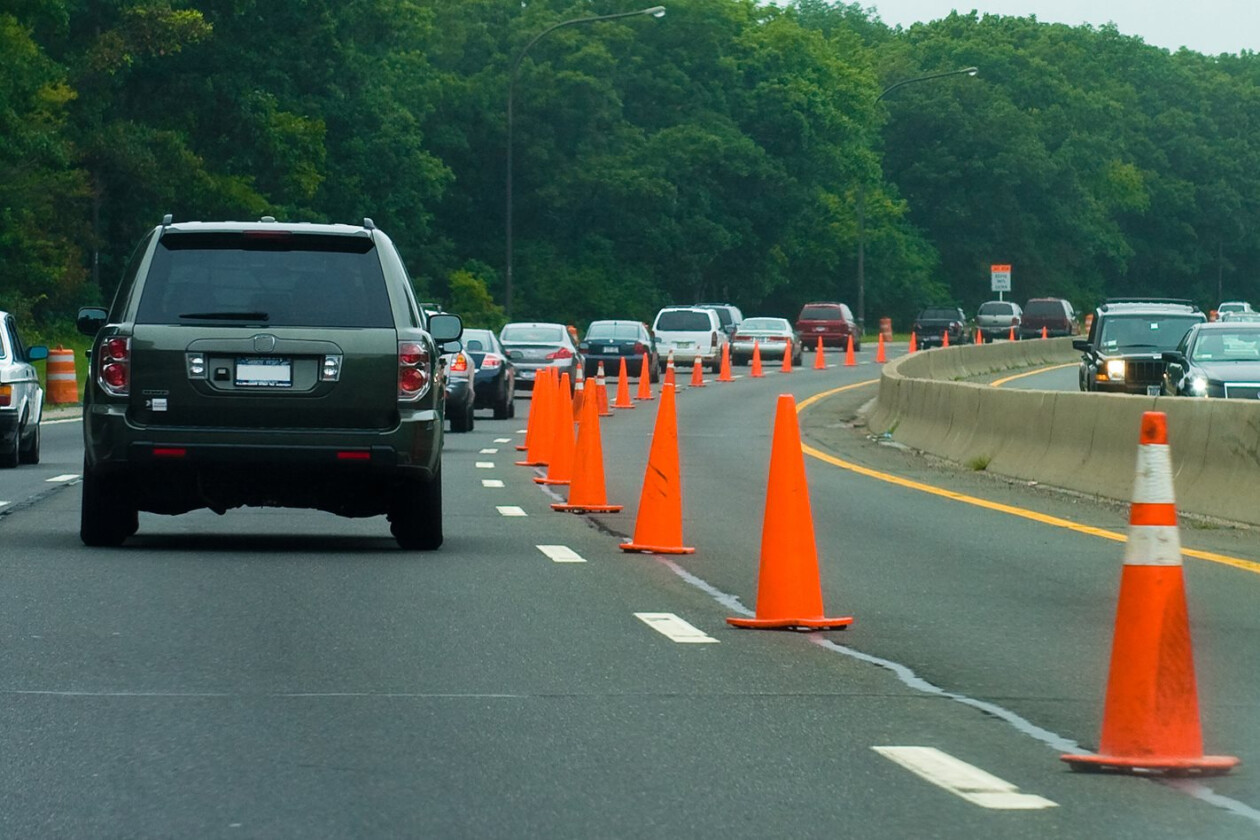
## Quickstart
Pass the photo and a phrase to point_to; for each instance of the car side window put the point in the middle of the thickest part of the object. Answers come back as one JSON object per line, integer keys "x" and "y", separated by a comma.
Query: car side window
{"x": 15, "y": 341}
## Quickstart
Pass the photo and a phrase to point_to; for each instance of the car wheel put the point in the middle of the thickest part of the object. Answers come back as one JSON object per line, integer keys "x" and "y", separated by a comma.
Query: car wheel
{"x": 11, "y": 456}
{"x": 503, "y": 407}
{"x": 654, "y": 374}
{"x": 107, "y": 515}
{"x": 462, "y": 421}
{"x": 857, "y": 345}
{"x": 30, "y": 454}
{"x": 415, "y": 518}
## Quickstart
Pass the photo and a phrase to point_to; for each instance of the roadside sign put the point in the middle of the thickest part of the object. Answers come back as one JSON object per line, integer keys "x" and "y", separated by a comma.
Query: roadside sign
{"x": 1000, "y": 275}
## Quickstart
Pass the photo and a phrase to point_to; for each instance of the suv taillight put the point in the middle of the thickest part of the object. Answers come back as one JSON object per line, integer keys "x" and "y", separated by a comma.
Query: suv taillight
{"x": 114, "y": 366}
{"x": 415, "y": 371}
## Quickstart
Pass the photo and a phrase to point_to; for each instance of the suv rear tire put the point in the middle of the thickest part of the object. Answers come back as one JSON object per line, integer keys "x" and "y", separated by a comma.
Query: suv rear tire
{"x": 415, "y": 518}
{"x": 463, "y": 420}
{"x": 107, "y": 516}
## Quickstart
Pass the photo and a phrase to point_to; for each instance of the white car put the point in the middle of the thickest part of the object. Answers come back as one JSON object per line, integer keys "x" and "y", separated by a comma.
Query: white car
{"x": 691, "y": 332}
{"x": 21, "y": 397}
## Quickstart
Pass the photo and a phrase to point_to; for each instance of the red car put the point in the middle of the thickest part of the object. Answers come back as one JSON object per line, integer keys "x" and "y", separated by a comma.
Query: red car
{"x": 833, "y": 322}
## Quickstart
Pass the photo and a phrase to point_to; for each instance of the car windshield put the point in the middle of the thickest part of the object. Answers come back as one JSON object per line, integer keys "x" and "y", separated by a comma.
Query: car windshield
{"x": 1222, "y": 346}
{"x": 683, "y": 320}
{"x": 609, "y": 331}
{"x": 765, "y": 324}
{"x": 724, "y": 315}
{"x": 532, "y": 334}
{"x": 996, "y": 309}
{"x": 1159, "y": 332}
{"x": 821, "y": 313}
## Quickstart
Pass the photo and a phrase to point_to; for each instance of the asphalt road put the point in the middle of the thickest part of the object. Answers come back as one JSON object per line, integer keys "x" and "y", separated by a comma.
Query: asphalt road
{"x": 292, "y": 674}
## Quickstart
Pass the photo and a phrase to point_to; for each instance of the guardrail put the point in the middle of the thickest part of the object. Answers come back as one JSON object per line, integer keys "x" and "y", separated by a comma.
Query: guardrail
{"x": 1083, "y": 442}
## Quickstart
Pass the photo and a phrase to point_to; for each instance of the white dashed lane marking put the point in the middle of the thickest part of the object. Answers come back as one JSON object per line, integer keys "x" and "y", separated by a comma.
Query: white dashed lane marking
{"x": 488, "y": 452}
{"x": 491, "y": 482}
{"x": 502, "y": 440}
{"x": 485, "y": 465}
{"x": 510, "y": 510}
{"x": 964, "y": 780}
{"x": 674, "y": 628}
{"x": 561, "y": 554}
{"x": 63, "y": 478}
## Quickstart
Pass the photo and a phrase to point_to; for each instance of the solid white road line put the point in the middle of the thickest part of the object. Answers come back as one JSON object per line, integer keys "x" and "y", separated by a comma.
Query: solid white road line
{"x": 485, "y": 465}
{"x": 962, "y": 779}
{"x": 561, "y": 554}
{"x": 63, "y": 478}
{"x": 674, "y": 628}
{"x": 510, "y": 510}
{"x": 491, "y": 482}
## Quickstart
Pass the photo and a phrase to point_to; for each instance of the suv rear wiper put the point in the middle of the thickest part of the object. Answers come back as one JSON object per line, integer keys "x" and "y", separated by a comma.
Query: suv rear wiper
{"x": 226, "y": 316}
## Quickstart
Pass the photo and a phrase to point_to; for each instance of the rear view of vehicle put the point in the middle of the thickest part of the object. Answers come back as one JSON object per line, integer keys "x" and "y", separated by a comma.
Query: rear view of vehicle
{"x": 21, "y": 397}
{"x": 495, "y": 383}
{"x": 536, "y": 346}
{"x": 934, "y": 323}
{"x": 612, "y": 341}
{"x": 832, "y": 322}
{"x": 692, "y": 333}
{"x": 997, "y": 319}
{"x": 773, "y": 338}
{"x": 264, "y": 364}
{"x": 1054, "y": 315}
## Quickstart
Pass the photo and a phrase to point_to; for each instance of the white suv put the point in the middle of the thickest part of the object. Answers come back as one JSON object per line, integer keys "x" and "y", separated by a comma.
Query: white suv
{"x": 691, "y": 332}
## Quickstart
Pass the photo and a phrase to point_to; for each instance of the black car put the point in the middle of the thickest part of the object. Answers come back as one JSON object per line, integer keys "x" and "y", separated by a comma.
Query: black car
{"x": 495, "y": 383}
{"x": 1219, "y": 359}
{"x": 1124, "y": 352}
{"x": 933, "y": 323}
{"x": 611, "y": 341}
{"x": 264, "y": 364}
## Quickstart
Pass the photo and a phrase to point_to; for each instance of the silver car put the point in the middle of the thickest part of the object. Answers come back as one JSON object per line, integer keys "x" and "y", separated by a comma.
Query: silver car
{"x": 21, "y": 397}
{"x": 533, "y": 346}
{"x": 775, "y": 338}
{"x": 997, "y": 318}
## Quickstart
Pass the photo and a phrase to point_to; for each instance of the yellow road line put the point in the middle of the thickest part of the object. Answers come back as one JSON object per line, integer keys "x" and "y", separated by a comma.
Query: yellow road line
{"x": 1045, "y": 519}
{"x": 998, "y": 383}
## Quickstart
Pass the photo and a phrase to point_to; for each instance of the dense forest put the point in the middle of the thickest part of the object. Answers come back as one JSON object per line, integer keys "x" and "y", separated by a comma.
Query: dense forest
{"x": 725, "y": 151}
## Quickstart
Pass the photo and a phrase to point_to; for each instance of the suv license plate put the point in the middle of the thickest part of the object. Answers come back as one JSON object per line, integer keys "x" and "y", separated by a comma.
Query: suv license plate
{"x": 264, "y": 372}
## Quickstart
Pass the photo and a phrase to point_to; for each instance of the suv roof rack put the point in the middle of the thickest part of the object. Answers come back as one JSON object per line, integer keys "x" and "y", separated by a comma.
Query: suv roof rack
{"x": 1179, "y": 301}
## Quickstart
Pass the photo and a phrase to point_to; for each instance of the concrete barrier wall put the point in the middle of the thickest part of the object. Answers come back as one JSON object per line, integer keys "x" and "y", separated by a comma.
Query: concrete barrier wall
{"x": 1079, "y": 441}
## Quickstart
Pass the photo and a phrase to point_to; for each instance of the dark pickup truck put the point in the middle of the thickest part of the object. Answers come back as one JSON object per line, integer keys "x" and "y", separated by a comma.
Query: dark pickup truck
{"x": 934, "y": 323}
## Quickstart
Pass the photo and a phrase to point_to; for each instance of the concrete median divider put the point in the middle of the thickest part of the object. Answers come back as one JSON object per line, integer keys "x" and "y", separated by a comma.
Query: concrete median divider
{"x": 1069, "y": 439}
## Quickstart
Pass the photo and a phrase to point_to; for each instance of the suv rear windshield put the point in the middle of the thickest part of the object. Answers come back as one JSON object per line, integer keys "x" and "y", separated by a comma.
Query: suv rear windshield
{"x": 277, "y": 279}
{"x": 532, "y": 334}
{"x": 1159, "y": 332}
{"x": 996, "y": 309}
{"x": 683, "y": 320}
{"x": 1045, "y": 309}
{"x": 821, "y": 313}
{"x": 613, "y": 332}
{"x": 940, "y": 314}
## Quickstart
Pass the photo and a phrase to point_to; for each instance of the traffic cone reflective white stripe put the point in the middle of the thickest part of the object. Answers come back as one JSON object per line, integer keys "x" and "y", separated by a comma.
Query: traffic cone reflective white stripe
{"x": 1151, "y": 711}
{"x": 669, "y": 369}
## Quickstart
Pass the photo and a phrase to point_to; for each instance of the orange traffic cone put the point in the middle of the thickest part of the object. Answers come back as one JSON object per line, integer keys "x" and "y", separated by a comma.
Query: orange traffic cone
{"x": 724, "y": 370}
{"x": 1044, "y": 333}
{"x": 880, "y": 355}
{"x": 1151, "y": 712}
{"x": 579, "y": 391}
{"x": 914, "y": 344}
{"x": 560, "y": 464}
{"x": 697, "y": 374}
{"x": 1011, "y": 337}
{"x": 789, "y": 589}
{"x": 945, "y": 338}
{"x": 623, "y": 388}
{"x": 645, "y": 380}
{"x": 587, "y": 493}
{"x": 756, "y": 359}
{"x": 669, "y": 369}
{"x": 658, "y": 528}
{"x": 849, "y": 359}
{"x": 601, "y": 392}
{"x": 538, "y": 433}
{"x": 820, "y": 363}
{"x": 787, "y": 358}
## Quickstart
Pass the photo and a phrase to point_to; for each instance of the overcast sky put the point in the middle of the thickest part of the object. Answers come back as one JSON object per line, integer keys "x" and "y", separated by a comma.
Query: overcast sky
{"x": 1207, "y": 26}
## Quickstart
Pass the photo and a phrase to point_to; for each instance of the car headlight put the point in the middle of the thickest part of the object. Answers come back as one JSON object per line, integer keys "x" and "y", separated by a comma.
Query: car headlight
{"x": 1197, "y": 385}
{"x": 1115, "y": 370}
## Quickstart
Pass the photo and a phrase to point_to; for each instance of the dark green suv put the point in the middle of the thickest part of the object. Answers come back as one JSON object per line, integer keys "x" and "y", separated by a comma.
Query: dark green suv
{"x": 264, "y": 364}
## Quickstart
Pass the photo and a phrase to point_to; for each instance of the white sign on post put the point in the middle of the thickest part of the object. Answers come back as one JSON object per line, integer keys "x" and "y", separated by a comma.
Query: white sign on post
{"x": 1000, "y": 275}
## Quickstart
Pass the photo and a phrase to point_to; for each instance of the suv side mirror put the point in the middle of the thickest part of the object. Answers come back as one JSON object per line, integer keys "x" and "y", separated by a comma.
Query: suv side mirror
{"x": 1080, "y": 344}
{"x": 445, "y": 327}
{"x": 36, "y": 353}
{"x": 90, "y": 320}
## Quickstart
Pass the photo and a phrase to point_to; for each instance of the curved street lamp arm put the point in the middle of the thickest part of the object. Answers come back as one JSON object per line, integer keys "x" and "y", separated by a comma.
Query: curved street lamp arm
{"x": 969, "y": 71}
{"x": 654, "y": 11}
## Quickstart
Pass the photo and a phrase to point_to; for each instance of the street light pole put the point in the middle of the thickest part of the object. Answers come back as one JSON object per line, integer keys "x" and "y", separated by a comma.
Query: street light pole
{"x": 654, "y": 11}
{"x": 861, "y": 208}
